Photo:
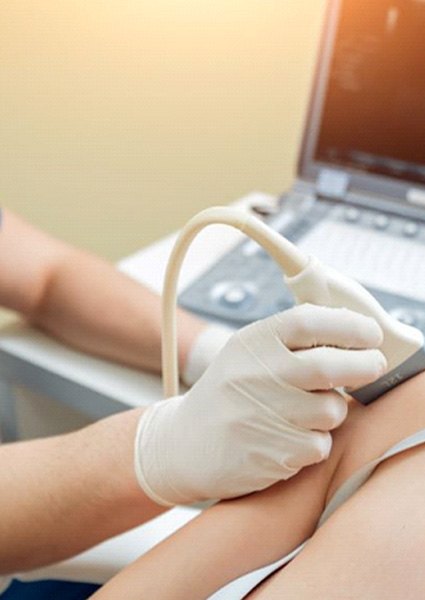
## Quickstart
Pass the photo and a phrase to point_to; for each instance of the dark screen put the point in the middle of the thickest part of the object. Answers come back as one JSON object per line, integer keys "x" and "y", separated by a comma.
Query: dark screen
{"x": 374, "y": 112}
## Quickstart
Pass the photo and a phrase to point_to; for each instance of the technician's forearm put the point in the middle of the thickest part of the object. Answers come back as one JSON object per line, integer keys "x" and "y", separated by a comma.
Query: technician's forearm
{"x": 90, "y": 305}
{"x": 81, "y": 298}
{"x": 64, "y": 494}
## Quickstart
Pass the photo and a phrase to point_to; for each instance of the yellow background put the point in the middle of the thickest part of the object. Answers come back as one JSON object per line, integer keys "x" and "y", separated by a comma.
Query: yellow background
{"x": 121, "y": 118}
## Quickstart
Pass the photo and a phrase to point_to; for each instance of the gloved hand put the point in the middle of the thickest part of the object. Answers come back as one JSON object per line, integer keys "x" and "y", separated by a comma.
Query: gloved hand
{"x": 263, "y": 409}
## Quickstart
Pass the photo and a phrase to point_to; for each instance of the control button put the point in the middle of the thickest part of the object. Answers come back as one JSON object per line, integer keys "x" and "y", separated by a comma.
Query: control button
{"x": 233, "y": 294}
{"x": 411, "y": 229}
{"x": 352, "y": 215}
{"x": 403, "y": 315}
{"x": 381, "y": 221}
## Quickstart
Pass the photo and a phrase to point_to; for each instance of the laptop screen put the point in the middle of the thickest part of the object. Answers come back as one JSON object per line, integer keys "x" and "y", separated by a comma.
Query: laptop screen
{"x": 373, "y": 115}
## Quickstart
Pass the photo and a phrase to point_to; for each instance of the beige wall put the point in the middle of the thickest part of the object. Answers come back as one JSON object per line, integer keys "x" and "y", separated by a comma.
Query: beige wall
{"x": 121, "y": 118}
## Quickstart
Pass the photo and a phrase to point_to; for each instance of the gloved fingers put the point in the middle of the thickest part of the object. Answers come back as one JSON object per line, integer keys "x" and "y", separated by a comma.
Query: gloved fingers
{"x": 308, "y": 325}
{"x": 314, "y": 447}
{"x": 322, "y": 410}
{"x": 325, "y": 368}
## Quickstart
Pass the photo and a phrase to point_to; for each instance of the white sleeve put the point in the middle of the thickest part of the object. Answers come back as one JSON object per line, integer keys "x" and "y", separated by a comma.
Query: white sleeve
{"x": 205, "y": 348}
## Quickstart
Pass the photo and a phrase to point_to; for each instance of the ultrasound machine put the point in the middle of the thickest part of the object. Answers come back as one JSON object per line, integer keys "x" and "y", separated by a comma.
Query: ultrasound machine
{"x": 358, "y": 200}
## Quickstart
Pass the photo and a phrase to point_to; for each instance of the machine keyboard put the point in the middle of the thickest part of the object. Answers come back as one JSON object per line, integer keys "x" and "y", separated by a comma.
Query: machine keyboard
{"x": 385, "y": 253}
{"x": 374, "y": 258}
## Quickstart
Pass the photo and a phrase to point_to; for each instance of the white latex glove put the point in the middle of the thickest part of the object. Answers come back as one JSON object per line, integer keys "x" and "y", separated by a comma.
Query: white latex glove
{"x": 256, "y": 415}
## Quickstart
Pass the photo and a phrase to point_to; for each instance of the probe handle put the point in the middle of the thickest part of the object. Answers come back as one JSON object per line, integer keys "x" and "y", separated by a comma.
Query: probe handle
{"x": 319, "y": 284}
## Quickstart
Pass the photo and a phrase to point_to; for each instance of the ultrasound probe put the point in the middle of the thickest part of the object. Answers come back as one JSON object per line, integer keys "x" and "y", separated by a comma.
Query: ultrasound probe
{"x": 310, "y": 282}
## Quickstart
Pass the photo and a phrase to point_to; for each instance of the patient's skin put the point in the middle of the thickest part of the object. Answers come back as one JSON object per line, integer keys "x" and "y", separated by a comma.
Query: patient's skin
{"x": 373, "y": 546}
{"x": 369, "y": 549}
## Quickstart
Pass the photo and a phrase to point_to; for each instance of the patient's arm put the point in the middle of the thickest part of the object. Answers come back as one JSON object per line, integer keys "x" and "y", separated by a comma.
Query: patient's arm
{"x": 371, "y": 548}
{"x": 241, "y": 535}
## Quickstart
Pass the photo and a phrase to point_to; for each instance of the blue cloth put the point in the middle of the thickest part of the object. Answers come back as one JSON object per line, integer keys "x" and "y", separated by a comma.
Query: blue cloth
{"x": 49, "y": 590}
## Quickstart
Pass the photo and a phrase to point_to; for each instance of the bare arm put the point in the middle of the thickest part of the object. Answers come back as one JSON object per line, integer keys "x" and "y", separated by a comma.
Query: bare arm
{"x": 227, "y": 541}
{"x": 238, "y": 536}
{"x": 63, "y": 494}
{"x": 82, "y": 299}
